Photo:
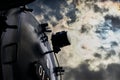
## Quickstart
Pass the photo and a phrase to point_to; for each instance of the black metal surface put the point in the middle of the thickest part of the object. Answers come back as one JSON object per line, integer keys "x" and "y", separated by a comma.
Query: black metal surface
{"x": 8, "y": 4}
{"x": 59, "y": 70}
{"x": 59, "y": 40}
{"x": 22, "y": 53}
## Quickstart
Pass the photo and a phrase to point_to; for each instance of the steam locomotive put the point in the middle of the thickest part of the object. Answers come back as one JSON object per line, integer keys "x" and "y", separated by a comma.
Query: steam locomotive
{"x": 25, "y": 51}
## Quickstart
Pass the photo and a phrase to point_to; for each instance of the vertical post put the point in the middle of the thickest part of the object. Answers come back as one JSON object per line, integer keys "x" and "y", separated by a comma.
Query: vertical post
{"x": 2, "y": 29}
{"x": 1, "y": 78}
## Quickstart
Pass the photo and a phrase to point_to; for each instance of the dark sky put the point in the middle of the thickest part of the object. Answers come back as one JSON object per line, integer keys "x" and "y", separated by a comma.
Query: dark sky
{"x": 53, "y": 8}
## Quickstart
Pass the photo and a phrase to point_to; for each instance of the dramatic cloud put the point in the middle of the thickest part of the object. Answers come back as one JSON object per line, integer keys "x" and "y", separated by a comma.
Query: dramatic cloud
{"x": 82, "y": 72}
{"x": 94, "y": 32}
